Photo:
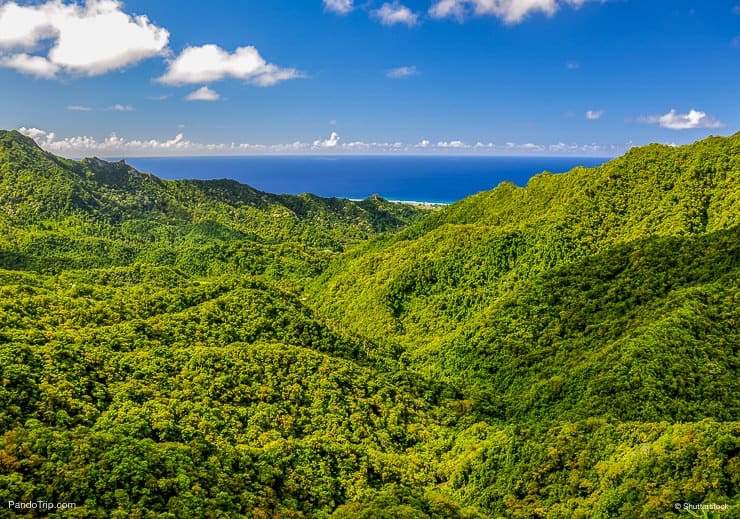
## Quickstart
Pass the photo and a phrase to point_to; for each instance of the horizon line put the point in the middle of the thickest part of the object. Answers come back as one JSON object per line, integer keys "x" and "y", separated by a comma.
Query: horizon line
{"x": 341, "y": 155}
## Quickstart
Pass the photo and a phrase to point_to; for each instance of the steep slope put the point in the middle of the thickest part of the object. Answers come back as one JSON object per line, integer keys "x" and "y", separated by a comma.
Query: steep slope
{"x": 654, "y": 189}
{"x": 135, "y": 390}
{"x": 584, "y": 327}
{"x": 114, "y": 215}
{"x": 644, "y": 331}
{"x": 446, "y": 269}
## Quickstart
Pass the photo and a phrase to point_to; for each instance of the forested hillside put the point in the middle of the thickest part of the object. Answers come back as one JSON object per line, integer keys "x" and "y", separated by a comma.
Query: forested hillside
{"x": 203, "y": 349}
{"x": 58, "y": 214}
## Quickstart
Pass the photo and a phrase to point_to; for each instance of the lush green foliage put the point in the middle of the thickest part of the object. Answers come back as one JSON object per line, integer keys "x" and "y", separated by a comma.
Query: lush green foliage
{"x": 202, "y": 349}
{"x": 60, "y": 215}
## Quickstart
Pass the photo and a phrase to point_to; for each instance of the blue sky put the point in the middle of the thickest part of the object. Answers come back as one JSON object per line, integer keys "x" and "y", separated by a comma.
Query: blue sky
{"x": 510, "y": 77}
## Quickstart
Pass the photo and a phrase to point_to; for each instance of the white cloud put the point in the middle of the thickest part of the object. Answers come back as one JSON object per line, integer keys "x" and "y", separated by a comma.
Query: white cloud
{"x": 210, "y": 63}
{"x": 452, "y": 144}
{"x": 676, "y": 121}
{"x": 91, "y": 39}
{"x": 24, "y": 26}
{"x": 448, "y": 8}
{"x": 203, "y": 94}
{"x": 157, "y": 98}
{"x": 37, "y": 66}
{"x": 78, "y": 108}
{"x": 357, "y": 145}
{"x": 592, "y": 115}
{"x": 116, "y": 146}
{"x": 331, "y": 142}
{"x": 395, "y": 13}
{"x": 401, "y": 72}
{"x": 34, "y": 133}
{"x": 529, "y": 146}
{"x": 339, "y": 6}
{"x": 510, "y": 11}
{"x": 558, "y": 147}
{"x": 121, "y": 108}
{"x": 562, "y": 147}
{"x": 272, "y": 75}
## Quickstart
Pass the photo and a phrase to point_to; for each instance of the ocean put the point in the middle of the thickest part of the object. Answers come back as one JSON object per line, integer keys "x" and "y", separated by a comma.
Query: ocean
{"x": 437, "y": 179}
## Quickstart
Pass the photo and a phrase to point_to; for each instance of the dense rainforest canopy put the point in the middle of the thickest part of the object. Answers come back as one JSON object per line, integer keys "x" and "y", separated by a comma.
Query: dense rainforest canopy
{"x": 202, "y": 349}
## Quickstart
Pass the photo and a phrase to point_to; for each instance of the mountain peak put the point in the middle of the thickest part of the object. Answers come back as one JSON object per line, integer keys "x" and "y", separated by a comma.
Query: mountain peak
{"x": 8, "y": 137}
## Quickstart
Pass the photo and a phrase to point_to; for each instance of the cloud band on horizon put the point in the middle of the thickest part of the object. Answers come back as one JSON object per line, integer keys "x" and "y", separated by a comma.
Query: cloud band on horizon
{"x": 114, "y": 145}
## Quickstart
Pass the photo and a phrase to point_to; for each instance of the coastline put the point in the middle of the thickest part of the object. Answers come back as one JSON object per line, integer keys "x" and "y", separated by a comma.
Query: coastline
{"x": 420, "y": 203}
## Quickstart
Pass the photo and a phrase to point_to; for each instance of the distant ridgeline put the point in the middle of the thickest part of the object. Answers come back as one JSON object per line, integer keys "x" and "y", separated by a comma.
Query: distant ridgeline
{"x": 63, "y": 215}
{"x": 203, "y": 349}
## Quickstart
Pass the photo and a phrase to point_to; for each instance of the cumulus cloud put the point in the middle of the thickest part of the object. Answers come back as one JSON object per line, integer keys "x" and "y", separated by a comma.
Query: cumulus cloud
{"x": 37, "y": 66}
{"x": 510, "y": 11}
{"x": 78, "y": 108}
{"x": 121, "y": 108}
{"x": 401, "y": 72}
{"x": 331, "y": 142}
{"x": 530, "y": 146}
{"x": 210, "y": 63}
{"x": 339, "y": 6}
{"x": 448, "y": 8}
{"x": 452, "y": 144}
{"x": 91, "y": 39}
{"x": 396, "y": 13}
{"x": 203, "y": 94}
{"x": 592, "y": 115}
{"x": 562, "y": 147}
{"x": 676, "y": 121}
{"x": 35, "y": 133}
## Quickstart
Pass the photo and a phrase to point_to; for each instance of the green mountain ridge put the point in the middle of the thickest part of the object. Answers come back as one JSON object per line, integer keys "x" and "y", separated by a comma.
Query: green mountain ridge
{"x": 476, "y": 248}
{"x": 117, "y": 215}
{"x": 203, "y": 349}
